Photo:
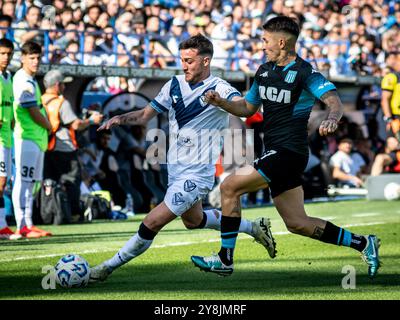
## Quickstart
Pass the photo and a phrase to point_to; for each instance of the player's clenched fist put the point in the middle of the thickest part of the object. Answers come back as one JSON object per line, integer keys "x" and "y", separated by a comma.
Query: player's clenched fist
{"x": 328, "y": 126}
{"x": 213, "y": 97}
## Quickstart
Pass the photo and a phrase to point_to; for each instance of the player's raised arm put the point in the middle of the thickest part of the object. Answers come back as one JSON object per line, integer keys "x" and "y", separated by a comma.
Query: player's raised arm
{"x": 132, "y": 118}
{"x": 332, "y": 100}
{"x": 238, "y": 106}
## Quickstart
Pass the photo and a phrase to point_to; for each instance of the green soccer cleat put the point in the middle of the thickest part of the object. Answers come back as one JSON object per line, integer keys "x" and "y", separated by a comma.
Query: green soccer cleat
{"x": 263, "y": 235}
{"x": 213, "y": 264}
{"x": 99, "y": 273}
{"x": 371, "y": 256}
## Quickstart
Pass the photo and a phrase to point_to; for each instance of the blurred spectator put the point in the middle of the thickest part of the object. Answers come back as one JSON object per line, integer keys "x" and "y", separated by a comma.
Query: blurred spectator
{"x": 223, "y": 41}
{"x": 71, "y": 51}
{"x": 100, "y": 164}
{"x": 32, "y": 21}
{"x": 92, "y": 15}
{"x": 389, "y": 158}
{"x": 61, "y": 158}
{"x": 5, "y": 22}
{"x": 346, "y": 165}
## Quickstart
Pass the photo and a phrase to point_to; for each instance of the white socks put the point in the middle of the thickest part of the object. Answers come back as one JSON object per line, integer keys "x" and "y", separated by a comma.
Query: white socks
{"x": 133, "y": 248}
{"x": 23, "y": 201}
{"x": 214, "y": 222}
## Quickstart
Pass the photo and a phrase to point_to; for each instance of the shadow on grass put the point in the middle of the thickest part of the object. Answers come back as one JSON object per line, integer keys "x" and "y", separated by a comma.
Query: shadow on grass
{"x": 137, "y": 281}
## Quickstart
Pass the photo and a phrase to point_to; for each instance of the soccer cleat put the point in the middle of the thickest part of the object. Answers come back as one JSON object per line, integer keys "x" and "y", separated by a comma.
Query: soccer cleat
{"x": 213, "y": 264}
{"x": 28, "y": 233}
{"x": 42, "y": 232}
{"x": 99, "y": 273}
{"x": 371, "y": 256}
{"x": 7, "y": 234}
{"x": 263, "y": 235}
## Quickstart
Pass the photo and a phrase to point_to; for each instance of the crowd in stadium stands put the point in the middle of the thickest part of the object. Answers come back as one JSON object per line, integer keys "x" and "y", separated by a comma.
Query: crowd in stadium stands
{"x": 342, "y": 38}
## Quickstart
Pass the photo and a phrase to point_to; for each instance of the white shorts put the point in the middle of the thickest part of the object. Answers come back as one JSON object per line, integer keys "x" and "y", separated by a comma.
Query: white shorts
{"x": 5, "y": 161}
{"x": 28, "y": 160}
{"x": 184, "y": 194}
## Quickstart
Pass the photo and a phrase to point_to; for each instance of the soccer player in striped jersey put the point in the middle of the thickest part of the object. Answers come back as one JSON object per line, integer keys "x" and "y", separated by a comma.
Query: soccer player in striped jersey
{"x": 189, "y": 181}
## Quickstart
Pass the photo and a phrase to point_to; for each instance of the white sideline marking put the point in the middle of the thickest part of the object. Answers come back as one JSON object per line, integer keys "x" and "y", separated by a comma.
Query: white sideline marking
{"x": 328, "y": 218}
{"x": 173, "y": 244}
{"x": 366, "y": 214}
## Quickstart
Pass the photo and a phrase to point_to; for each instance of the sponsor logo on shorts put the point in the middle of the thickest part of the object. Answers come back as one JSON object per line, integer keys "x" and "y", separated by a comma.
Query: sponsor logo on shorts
{"x": 189, "y": 186}
{"x": 177, "y": 199}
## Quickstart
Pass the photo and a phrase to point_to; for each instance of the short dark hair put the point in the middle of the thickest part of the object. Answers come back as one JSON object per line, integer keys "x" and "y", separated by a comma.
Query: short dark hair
{"x": 31, "y": 47}
{"x": 7, "y": 18}
{"x": 284, "y": 24}
{"x": 199, "y": 42}
{"x": 6, "y": 43}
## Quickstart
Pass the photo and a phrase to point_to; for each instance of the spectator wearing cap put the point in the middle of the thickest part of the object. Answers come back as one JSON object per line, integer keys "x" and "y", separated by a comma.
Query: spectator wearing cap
{"x": 61, "y": 158}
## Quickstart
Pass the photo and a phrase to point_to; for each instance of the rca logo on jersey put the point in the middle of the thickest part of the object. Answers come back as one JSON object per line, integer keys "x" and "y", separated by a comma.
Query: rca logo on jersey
{"x": 273, "y": 94}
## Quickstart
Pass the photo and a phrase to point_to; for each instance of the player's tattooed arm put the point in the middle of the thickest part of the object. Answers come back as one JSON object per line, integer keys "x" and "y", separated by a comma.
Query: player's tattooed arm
{"x": 139, "y": 117}
{"x": 332, "y": 100}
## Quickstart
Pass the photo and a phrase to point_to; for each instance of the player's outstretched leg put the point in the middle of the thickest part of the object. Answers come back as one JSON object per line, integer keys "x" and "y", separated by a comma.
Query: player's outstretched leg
{"x": 135, "y": 246}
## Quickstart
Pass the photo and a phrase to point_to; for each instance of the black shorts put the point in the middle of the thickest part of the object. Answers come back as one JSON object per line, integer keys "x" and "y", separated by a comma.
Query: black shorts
{"x": 282, "y": 169}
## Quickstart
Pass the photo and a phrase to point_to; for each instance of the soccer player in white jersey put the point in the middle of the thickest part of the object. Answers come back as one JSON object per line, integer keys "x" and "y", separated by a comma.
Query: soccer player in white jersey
{"x": 6, "y": 119}
{"x": 189, "y": 183}
{"x": 30, "y": 139}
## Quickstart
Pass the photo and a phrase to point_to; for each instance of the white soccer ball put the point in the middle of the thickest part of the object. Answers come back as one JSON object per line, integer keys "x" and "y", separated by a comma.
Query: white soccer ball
{"x": 392, "y": 191}
{"x": 72, "y": 271}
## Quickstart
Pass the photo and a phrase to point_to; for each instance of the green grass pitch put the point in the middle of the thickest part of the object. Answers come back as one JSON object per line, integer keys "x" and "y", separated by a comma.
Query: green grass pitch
{"x": 303, "y": 269}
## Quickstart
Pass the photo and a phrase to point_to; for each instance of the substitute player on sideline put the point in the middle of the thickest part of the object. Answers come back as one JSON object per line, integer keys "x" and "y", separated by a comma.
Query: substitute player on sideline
{"x": 6, "y": 119}
{"x": 286, "y": 86}
{"x": 189, "y": 181}
{"x": 30, "y": 139}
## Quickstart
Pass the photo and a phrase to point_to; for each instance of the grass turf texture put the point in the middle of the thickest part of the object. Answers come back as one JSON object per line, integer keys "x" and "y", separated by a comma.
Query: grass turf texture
{"x": 303, "y": 269}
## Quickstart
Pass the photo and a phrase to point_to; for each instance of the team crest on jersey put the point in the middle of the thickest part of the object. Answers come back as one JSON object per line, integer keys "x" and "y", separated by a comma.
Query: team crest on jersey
{"x": 264, "y": 75}
{"x": 202, "y": 101}
{"x": 177, "y": 199}
{"x": 27, "y": 95}
{"x": 189, "y": 186}
{"x": 290, "y": 76}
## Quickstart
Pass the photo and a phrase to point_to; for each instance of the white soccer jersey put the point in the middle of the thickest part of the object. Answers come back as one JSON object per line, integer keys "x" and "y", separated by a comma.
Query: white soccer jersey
{"x": 24, "y": 89}
{"x": 195, "y": 127}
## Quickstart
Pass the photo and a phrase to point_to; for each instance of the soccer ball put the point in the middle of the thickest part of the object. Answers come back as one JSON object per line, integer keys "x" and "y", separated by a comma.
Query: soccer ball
{"x": 72, "y": 271}
{"x": 392, "y": 191}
